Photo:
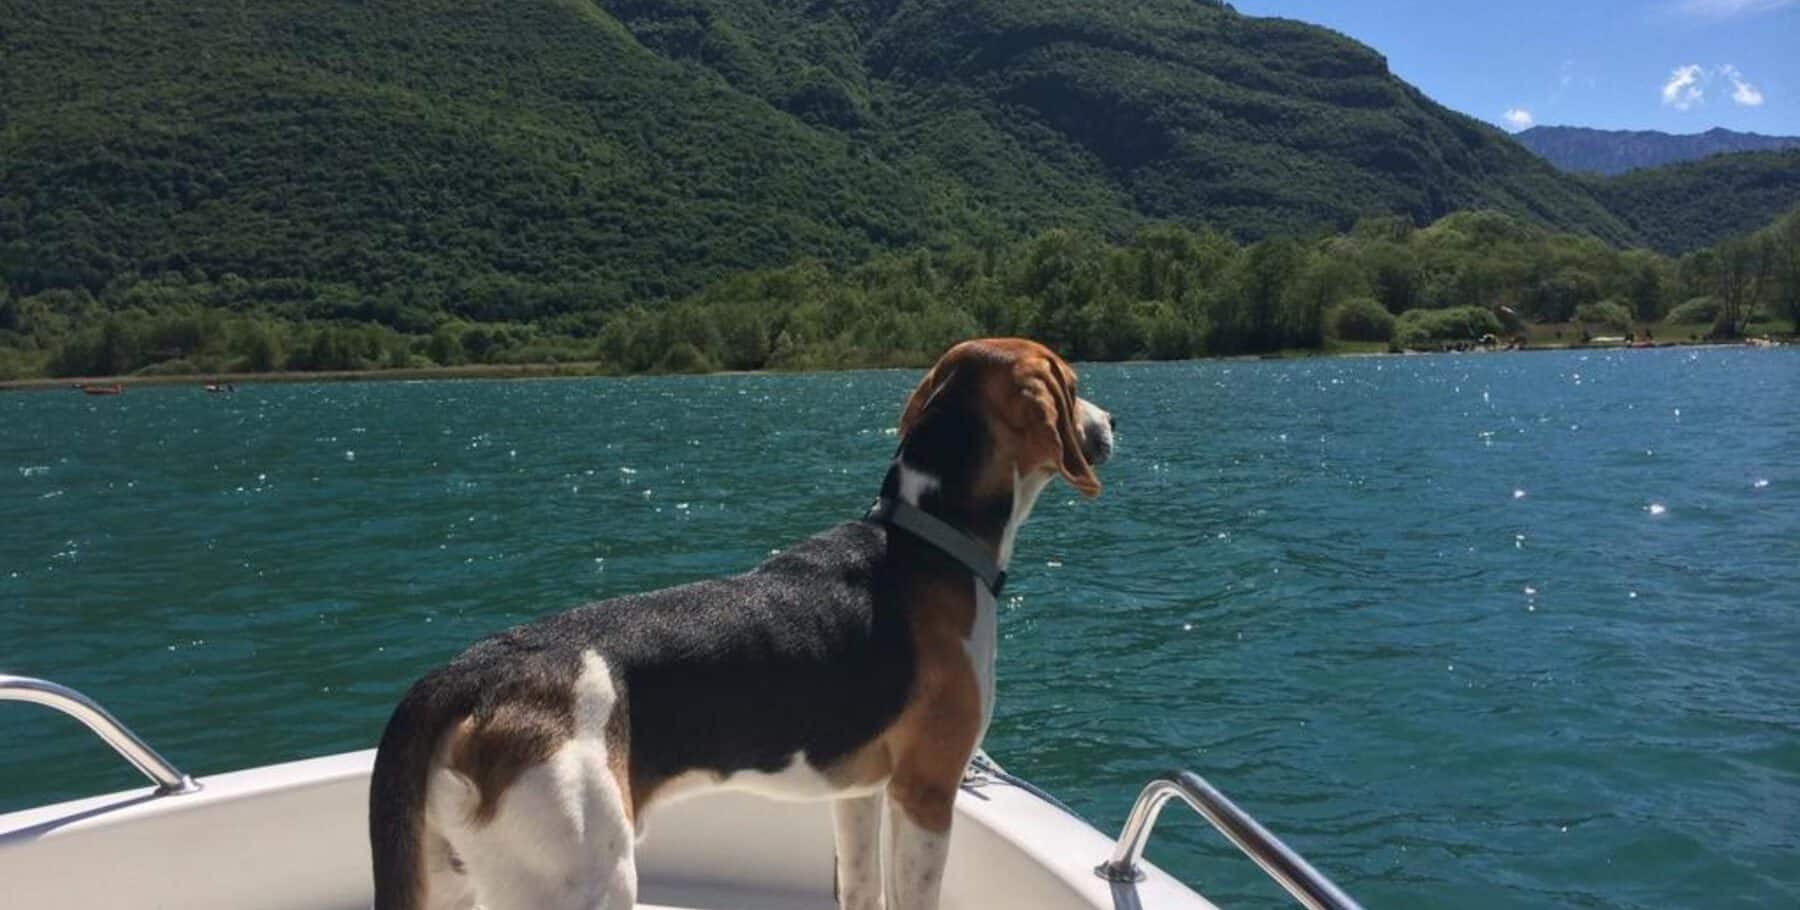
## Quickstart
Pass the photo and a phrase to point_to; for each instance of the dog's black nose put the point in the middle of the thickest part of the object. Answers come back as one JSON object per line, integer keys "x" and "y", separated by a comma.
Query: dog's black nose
{"x": 1112, "y": 423}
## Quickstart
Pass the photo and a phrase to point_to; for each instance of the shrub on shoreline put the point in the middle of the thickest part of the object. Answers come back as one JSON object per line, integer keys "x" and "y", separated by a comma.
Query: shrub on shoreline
{"x": 1428, "y": 328}
{"x": 1607, "y": 314}
{"x": 1698, "y": 311}
{"x": 1362, "y": 319}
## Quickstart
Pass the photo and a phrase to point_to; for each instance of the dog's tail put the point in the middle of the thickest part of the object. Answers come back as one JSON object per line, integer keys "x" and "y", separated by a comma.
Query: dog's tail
{"x": 397, "y": 794}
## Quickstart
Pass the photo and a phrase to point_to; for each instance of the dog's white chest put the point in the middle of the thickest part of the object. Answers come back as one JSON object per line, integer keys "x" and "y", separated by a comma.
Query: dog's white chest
{"x": 982, "y": 647}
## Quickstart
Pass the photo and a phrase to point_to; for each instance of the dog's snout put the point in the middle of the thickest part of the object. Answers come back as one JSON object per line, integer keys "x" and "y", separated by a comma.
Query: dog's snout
{"x": 1097, "y": 428}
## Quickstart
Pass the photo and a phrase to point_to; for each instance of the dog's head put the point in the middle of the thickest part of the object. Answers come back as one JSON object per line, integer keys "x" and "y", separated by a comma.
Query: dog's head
{"x": 997, "y": 414}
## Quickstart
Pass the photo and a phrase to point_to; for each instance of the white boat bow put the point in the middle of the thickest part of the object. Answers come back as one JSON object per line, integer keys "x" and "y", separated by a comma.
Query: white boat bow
{"x": 293, "y": 836}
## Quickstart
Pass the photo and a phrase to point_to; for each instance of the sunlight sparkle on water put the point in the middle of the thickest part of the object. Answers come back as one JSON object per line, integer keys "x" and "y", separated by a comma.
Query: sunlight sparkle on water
{"x": 1656, "y": 508}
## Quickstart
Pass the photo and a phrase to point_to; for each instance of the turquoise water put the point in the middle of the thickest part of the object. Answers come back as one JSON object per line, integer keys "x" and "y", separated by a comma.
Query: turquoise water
{"x": 1469, "y": 631}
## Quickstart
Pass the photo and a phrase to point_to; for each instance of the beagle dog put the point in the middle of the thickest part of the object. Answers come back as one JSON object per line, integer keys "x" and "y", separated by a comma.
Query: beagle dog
{"x": 856, "y": 666}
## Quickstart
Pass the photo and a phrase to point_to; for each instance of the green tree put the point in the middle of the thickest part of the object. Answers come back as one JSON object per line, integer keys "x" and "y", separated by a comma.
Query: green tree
{"x": 120, "y": 348}
{"x": 1323, "y": 282}
{"x": 1646, "y": 294}
{"x": 1268, "y": 271}
{"x": 1784, "y": 253}
{"x": 1394, "y": 278}
{"x": 445, "y": 347}
{"x": 1743, "y": 264}
{"x": 259, "y": 345}
{"x": 1556, "y": 299}
{"x": 481, "y": 342}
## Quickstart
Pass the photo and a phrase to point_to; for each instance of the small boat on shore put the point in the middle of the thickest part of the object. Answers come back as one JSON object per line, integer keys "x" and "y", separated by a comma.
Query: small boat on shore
{"x": 292, "y": 837}
{"x": 88, "y": 388}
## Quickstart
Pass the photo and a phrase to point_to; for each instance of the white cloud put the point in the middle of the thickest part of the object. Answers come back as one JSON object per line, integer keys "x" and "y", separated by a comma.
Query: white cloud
{"x": 1742, "y": 92}
{"x": 1686, "y": 87}
{"x": 1518, "y": 118}
{"x": 1725, "y": 9}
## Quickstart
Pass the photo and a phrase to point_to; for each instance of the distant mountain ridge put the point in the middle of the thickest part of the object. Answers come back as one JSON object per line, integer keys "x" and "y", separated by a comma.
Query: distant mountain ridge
{"x": 1612, "y": 152}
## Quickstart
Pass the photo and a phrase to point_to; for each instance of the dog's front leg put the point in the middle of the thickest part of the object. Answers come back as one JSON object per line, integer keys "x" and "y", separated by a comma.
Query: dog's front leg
{"x": 919, "y": 834}
{"x": 857, "y": 821}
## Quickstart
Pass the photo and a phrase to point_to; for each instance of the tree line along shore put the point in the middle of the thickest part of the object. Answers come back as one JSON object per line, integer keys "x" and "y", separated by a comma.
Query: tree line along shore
{"x": 1164, "y": 292}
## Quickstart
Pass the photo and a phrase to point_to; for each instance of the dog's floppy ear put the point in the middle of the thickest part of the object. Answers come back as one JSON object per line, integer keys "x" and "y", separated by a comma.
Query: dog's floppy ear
{"x": 1053, "y": 435}
{"x": 929, "y": 387}
{"x": 938, "y": 379}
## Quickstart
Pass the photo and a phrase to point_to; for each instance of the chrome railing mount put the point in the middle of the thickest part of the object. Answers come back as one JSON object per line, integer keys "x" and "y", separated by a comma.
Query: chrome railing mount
{"x": 168, "y": 779}
{"x": 1308, "y": 885}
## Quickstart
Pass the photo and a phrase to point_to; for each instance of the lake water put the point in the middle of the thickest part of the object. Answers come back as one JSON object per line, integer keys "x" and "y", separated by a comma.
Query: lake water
{"x": 1468, "y": 631}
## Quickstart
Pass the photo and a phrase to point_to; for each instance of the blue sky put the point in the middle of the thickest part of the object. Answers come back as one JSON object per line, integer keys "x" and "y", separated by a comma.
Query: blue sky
{"x": 1682, "y": 66}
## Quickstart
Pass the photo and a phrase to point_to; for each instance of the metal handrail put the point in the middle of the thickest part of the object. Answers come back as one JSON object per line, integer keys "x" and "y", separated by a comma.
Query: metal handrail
{"x": 168, "y": 779}
{"x": 1309, "y": 886}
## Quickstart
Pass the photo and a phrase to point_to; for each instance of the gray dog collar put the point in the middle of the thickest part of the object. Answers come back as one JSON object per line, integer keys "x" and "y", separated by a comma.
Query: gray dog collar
{"x": 935, "y": 531}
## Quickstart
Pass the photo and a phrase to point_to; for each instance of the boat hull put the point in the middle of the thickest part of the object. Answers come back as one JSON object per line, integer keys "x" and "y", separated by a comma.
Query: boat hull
{"x": 292, "y": 837}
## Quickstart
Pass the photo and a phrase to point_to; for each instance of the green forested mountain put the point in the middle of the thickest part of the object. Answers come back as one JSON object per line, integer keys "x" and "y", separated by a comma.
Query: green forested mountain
{"x": 1688, "y": 206}
{"x": 212, "y": 184}
{"x": 530, "y": 158}
{"x": 1590, "y": 151}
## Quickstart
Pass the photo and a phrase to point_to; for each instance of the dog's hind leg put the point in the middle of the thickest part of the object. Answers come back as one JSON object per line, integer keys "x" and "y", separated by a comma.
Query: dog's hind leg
{"x": 560, "y": 840}
{"x": 857, "y": 821}
{"x": 559, "y": 836}
{"x": 447, "y": 882}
